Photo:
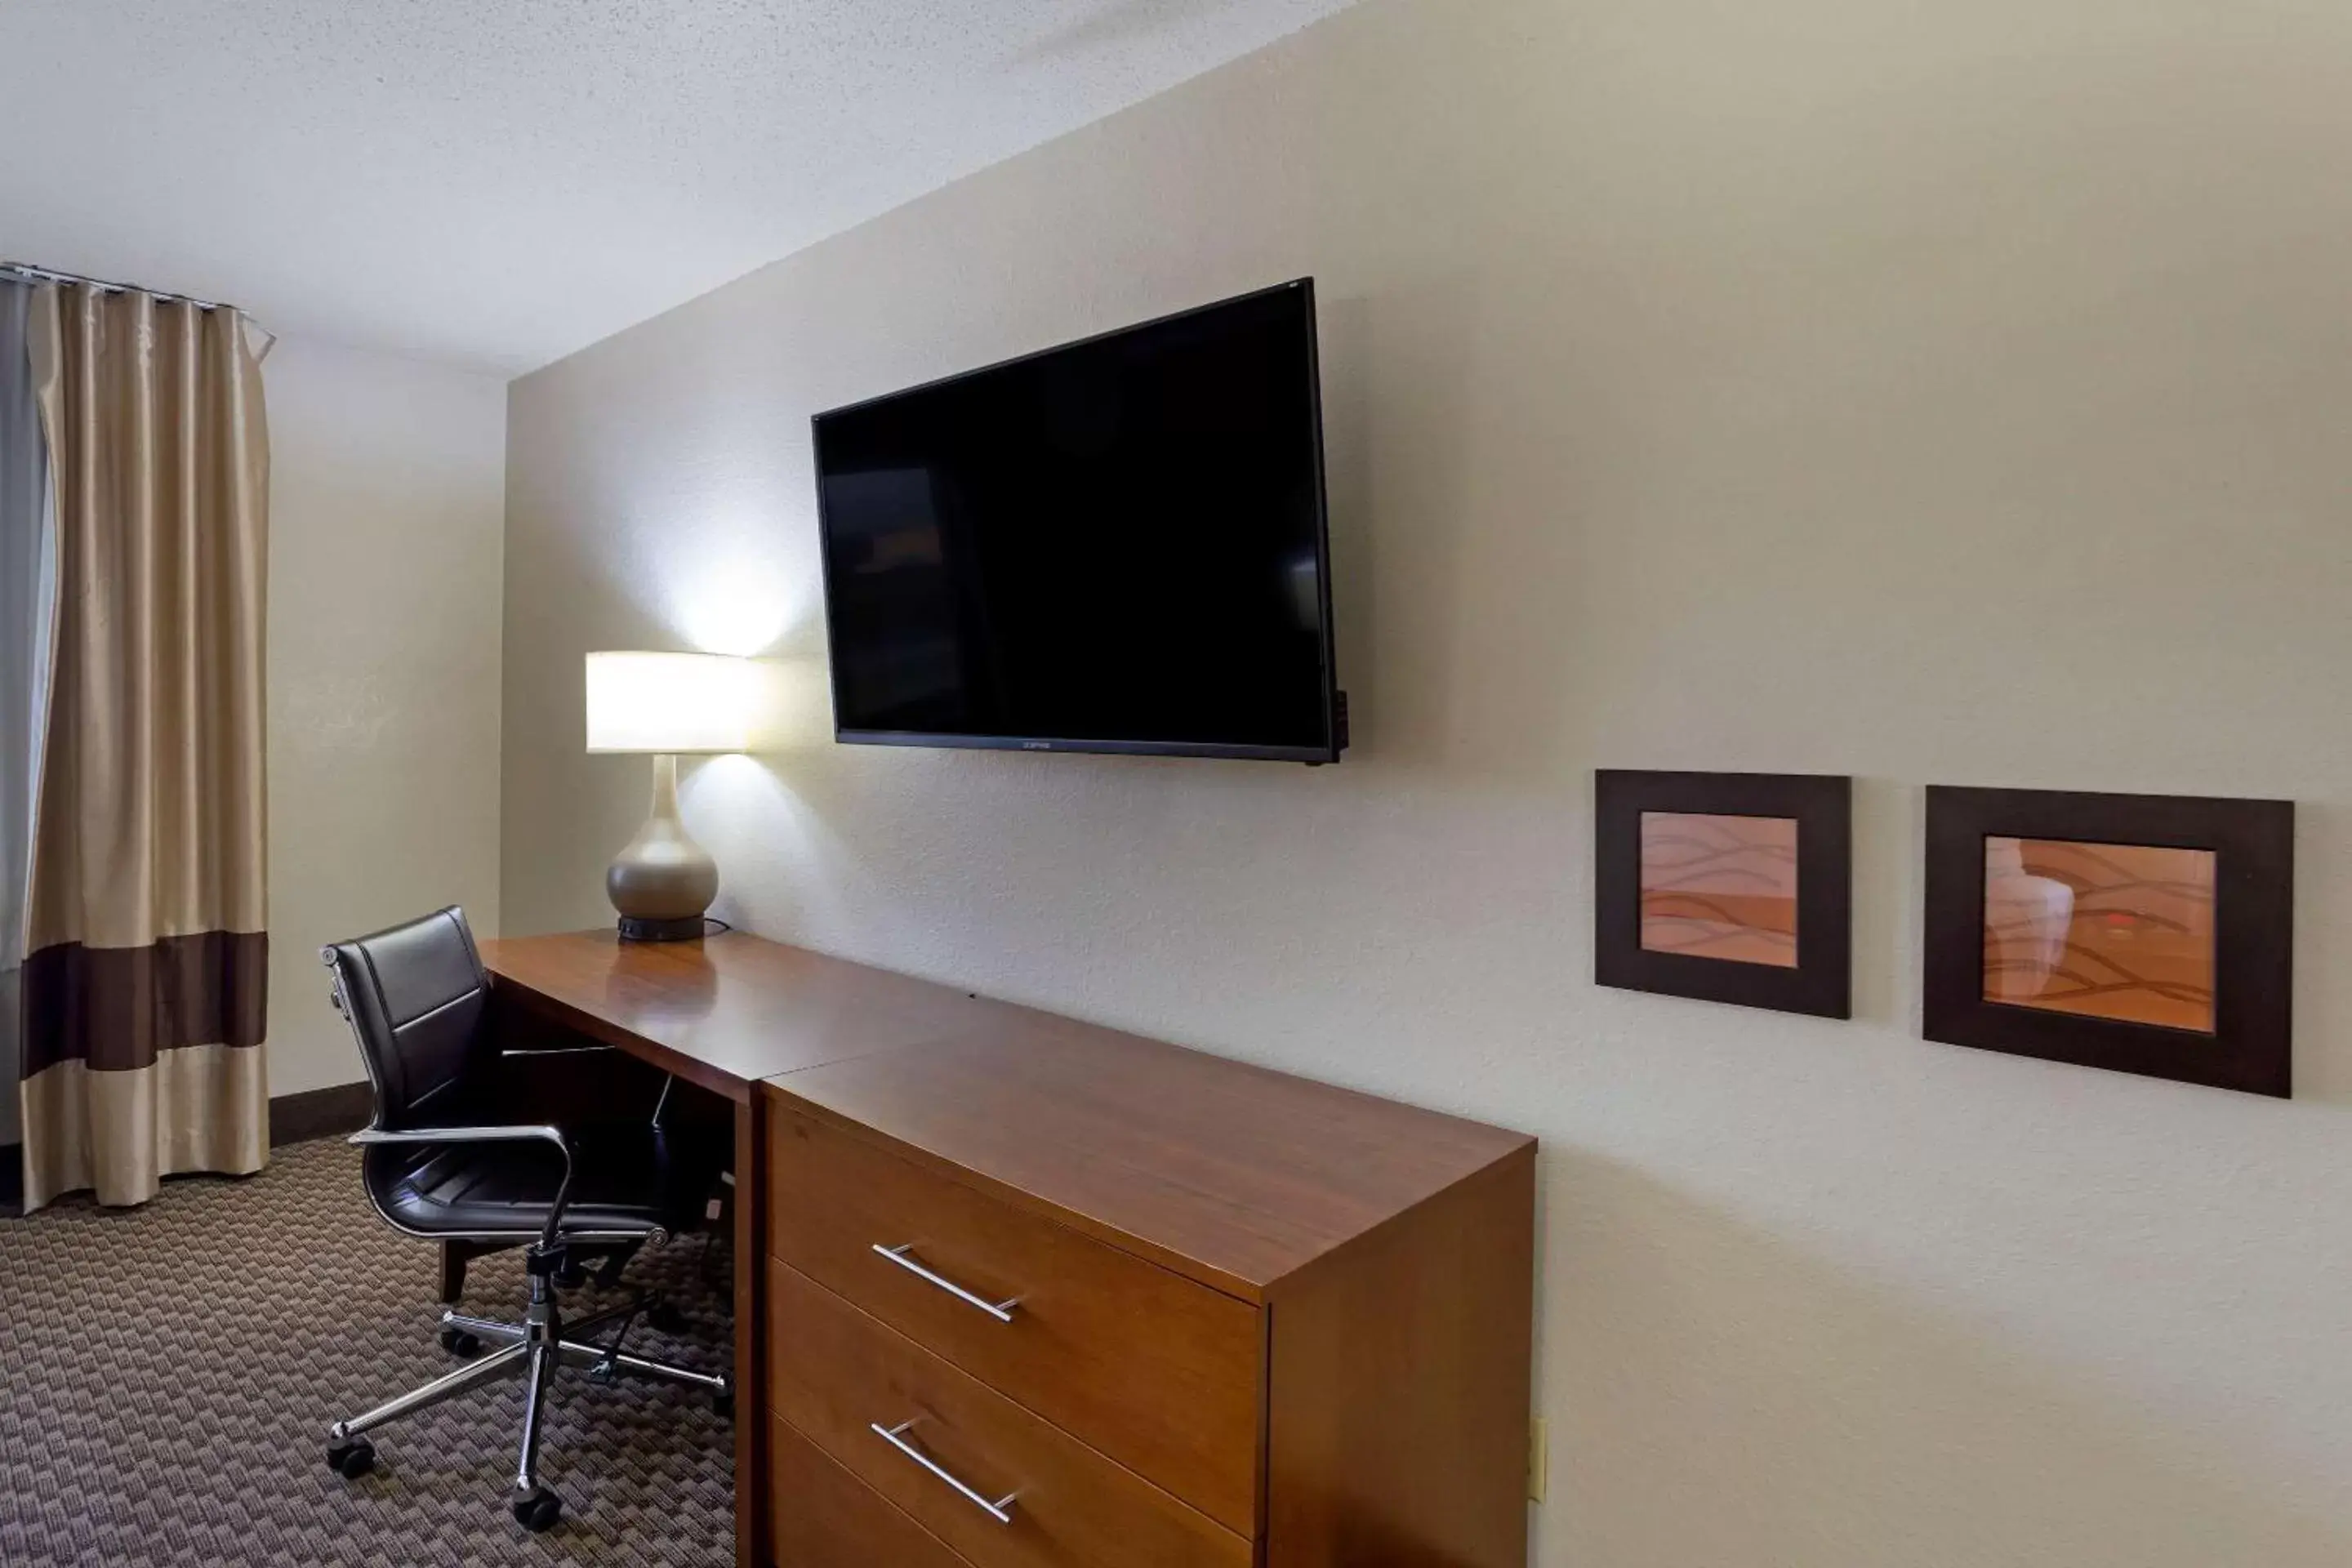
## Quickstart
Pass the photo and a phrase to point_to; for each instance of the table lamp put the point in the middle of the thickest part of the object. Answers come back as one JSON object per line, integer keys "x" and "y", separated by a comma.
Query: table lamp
{"x": 665, "y": 704}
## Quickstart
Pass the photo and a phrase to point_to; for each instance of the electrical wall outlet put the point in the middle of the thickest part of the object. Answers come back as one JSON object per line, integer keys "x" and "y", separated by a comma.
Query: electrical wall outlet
{"x": 1538, "y": 1458}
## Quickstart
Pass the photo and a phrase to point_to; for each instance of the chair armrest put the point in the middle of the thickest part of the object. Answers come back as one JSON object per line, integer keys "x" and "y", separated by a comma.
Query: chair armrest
{"x": 545, "y": 1132}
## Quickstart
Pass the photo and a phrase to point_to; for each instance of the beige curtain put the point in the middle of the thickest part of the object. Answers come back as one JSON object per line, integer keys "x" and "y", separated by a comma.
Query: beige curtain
{"x": 146, "y": 956}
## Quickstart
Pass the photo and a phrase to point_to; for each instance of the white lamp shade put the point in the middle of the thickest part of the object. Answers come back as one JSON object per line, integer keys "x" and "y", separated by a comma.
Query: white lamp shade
{"x": 671, "y": 702}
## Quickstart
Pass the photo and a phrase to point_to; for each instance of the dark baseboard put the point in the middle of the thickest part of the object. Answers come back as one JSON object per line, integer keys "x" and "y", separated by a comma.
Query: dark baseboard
{"x": 320, "y": 1114}
{"x": 12, "y": 1178}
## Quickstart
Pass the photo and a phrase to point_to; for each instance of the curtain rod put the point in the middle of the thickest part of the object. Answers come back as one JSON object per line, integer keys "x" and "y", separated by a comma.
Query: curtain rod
{"x": 50, "y": 275}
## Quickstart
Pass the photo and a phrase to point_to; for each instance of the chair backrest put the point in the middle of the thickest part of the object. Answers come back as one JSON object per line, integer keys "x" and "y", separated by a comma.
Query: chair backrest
{"x": 414, "y": 996}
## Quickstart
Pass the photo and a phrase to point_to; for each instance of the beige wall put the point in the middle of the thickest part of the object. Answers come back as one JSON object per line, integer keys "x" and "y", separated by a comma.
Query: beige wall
{"x": 387, "y": 494}
{"x": 1933, "y": 393}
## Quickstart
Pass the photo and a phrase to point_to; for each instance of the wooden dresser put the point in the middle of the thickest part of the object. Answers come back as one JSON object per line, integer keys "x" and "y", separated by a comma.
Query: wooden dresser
{"x": 1014, "y": 1291}
{"x": 1042, "y": 1295}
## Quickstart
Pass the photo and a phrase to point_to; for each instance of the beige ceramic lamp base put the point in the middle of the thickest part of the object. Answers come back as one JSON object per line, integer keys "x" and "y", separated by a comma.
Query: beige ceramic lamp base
{"x": 663, "y": 881}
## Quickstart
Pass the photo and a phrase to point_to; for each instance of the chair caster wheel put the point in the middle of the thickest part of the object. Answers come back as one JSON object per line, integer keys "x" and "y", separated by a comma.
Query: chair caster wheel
{"x": 723, "y": 1405}
{"x": 461, "y": 1343}
{"x": 665, "y": 1318}
{"x": 538, "y": 1510}
{"x": 603, "y": 1375}
{"x": 352, "y": 1457}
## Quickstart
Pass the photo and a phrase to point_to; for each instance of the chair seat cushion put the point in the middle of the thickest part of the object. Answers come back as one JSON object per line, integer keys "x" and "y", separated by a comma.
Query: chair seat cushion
{"x": 629, "y": 1178}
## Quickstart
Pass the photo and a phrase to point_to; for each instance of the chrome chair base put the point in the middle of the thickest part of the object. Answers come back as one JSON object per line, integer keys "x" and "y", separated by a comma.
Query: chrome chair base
{"x": 531, "y": 1349}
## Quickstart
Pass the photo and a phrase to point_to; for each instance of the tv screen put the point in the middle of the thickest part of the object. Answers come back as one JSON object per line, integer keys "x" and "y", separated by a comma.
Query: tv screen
{"x": 1114, "y": 546}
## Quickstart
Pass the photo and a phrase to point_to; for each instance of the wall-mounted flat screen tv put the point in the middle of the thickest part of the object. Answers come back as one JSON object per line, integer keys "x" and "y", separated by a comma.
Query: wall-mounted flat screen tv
{"x": 1117, "y": 545}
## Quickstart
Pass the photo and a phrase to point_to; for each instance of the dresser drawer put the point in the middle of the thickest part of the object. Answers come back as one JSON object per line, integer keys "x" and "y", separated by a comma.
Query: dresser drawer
{"x": 1162, "y": 1375}
{"x": 957, "y": 1453}
{"x": 821, "y": 1516}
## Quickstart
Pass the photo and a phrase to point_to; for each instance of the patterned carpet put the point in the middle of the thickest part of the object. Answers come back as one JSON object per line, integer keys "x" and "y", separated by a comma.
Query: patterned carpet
{"x": 167, "y": 1375}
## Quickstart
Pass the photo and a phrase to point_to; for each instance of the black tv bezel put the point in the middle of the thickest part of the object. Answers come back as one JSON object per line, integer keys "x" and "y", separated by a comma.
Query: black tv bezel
{"x": 1312, "y": 755}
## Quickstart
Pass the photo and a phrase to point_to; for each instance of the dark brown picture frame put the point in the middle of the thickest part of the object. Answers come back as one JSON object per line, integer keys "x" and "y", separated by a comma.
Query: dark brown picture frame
{"x": 2250, "y": 1046}
{"x": 1820, "y": 981}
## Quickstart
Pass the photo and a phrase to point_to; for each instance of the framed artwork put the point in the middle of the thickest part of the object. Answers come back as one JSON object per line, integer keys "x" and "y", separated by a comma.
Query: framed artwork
{"x": 2143, "y": 933}
{"x": 1726, "y": 887}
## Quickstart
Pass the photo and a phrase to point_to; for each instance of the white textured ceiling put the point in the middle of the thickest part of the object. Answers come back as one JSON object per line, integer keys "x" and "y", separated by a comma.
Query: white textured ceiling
{"x": 500, "y": 182}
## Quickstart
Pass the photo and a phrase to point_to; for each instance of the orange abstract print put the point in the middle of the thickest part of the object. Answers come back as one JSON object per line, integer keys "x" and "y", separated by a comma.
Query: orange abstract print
{"x": 1720, "y": 887}
{"x": 2108, "y": 931}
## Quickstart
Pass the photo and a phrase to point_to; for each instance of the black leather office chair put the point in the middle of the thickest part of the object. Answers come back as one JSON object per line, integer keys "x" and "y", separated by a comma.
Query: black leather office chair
{"x": 436, "y": 1166}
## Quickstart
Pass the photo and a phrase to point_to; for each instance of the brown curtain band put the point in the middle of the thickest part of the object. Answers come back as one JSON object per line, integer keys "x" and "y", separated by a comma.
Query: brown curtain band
{"x": 115, "y": 1008}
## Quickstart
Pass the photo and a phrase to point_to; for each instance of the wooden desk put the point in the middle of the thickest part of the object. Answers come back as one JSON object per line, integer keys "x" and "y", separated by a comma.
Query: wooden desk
{"x": 723, "y": 1014}
{"x": 1241, "y": 1318}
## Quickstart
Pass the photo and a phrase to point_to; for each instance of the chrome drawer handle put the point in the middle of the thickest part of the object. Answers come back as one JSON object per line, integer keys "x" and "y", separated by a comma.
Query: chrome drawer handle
{"x": 1000, "y": 1511}
{"x": 902, "y": 1255}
